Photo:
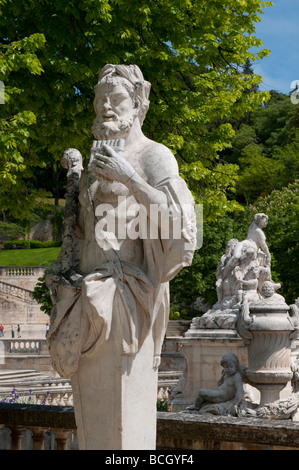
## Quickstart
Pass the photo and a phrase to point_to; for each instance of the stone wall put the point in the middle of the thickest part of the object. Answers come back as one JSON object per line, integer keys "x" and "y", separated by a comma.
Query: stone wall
{"x": 180, "y": 431}
{"x": 175, "y": 431}
{"x": 17, "y": 306}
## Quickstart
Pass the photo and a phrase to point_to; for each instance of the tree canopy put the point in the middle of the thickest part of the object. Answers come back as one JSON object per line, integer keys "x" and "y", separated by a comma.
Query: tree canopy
{"x": 192, "y": 52}
{"x": 266, "y": 149}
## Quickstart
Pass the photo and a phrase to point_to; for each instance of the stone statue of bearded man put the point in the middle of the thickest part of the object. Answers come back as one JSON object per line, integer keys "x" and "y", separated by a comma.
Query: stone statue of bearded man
{"x": 111, "y": 306}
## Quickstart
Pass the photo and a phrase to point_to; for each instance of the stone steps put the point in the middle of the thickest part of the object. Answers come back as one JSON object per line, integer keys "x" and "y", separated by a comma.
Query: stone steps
{"x": 168, "y": 378}
{"x": 11, "y": 374}
{"x": 177, "y": 327}
{"x": 13, "y": 378}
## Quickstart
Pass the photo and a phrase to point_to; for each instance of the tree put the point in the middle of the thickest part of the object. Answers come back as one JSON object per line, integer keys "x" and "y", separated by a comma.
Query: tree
{"x": 265, "y": 148}
{"x": 192, "y": 52}
{"x": 272, "y": 121}
{"x": 18, "y": 56}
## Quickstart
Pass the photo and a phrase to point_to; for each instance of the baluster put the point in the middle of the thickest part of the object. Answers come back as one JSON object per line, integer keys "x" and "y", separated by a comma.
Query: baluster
{"x": 61, "y": 438}
{"x": 54, "y": 398}
{"x": 38, "y": 438}
{"x": 61, "y": 401}
{"x": 40, "y": 398}
{"x": 69, "y": 401}
{"x": 16, "y": 437}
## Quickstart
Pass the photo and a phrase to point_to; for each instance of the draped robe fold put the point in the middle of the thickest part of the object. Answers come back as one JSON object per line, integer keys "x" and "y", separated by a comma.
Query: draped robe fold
{"x": 82, "y": 316}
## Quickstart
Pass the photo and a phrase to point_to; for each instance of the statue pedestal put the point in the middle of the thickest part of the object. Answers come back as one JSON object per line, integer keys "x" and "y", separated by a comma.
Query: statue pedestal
{"x": 203, "y": 350}
{"x": 115, "y": 398}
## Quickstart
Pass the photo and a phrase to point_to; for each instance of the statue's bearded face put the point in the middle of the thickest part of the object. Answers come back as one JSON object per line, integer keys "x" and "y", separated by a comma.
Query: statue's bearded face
{"x": 114, "y": 109}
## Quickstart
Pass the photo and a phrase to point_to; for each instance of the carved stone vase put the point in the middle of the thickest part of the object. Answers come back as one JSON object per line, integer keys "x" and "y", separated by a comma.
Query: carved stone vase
{"x": 268, "y": 329}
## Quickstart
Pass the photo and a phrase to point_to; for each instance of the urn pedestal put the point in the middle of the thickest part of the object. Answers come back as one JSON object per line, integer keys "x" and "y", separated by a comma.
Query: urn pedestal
{"x": 268, "y": 330}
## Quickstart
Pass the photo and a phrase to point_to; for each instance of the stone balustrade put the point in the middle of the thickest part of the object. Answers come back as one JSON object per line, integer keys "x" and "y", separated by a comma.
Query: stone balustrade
{"x": 16, "y": 291}
{"x": 24, "y": 346}
{"x": 175, "y": 431}
{"x": 22, "y": 270}
{"x": 17, "y": 419}
{"x": 43, "y": 394}
{"x": 53, "y": 390}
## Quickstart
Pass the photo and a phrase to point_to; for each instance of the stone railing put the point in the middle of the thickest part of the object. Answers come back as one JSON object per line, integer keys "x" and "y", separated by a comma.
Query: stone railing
{"x": 45, "y": 393}
{"x": 175, "y": 431}
{"x": 21, "y": 271}
{"x": 182, "y": 431}
{"x": 25, "y": 346}
{"x": 42, "y": 422}
{"x": 15, "y": 291}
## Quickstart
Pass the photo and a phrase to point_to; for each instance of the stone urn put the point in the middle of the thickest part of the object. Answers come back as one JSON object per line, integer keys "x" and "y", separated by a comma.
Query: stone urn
{"x": 268, "y": 326}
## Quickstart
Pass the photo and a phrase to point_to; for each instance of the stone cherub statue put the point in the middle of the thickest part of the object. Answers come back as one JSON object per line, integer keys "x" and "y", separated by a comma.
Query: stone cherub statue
{"x": 243, "y": 275}
{"x": 227, "y": 396}
{"x": 111, "y": 297}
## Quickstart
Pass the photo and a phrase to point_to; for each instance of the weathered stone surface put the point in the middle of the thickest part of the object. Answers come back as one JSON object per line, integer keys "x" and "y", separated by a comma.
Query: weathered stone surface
{"x": 110, "y": 286}
{"x": 208, "y": 432}
{"x": 243, "y": 275}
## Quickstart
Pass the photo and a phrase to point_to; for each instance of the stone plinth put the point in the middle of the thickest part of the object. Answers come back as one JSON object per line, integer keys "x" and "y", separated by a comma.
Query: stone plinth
{"x": 119, "y": 397}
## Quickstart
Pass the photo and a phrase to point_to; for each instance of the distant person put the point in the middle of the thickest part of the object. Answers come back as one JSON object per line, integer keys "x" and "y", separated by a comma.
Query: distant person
{"x": 1, "y": 330}
{"x": 47, "y": 328}
{"x": 12, "y": 331}
{"x": 19, "y": 331}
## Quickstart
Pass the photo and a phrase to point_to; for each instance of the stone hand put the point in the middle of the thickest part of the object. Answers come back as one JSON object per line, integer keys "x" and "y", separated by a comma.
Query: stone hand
{"x": 156, "y": 362}
{"x": 112, "y": 166}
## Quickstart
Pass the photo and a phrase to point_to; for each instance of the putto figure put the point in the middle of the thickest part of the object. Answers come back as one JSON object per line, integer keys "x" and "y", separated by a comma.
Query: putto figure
{"x": 243, "y": 276}
{"x": 227, "y": 396}
{"x": 111, "y": 307}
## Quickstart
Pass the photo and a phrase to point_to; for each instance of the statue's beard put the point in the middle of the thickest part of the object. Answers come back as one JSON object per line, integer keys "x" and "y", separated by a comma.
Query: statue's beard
{"x": 119, "y": 128}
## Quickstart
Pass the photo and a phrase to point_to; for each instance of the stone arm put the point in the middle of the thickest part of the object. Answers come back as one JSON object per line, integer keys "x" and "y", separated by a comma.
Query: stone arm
{"x": 250, "y": 283}
{"x": 239, "y": 388}
{"x": 263, "y": 245}
{"x": 116, "y": 168}
{"x": 144, "y": 193}
{"x": 239, "y": 393}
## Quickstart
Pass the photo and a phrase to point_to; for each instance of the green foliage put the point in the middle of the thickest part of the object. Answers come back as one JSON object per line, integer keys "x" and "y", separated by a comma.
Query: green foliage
{"x": 179, "y": 311}
{"x": 266, "y": 149}
{"x": 41, "y": 294}
{"x": 162, "y": 405}
{"x": 10, "y": 230}
{"x": 259, "y": 174}
{"x": 272, "y": 121}
{"x": 288, "y": 157}
{"x": 18, "y": 56}
{"x": 193, "y": 53}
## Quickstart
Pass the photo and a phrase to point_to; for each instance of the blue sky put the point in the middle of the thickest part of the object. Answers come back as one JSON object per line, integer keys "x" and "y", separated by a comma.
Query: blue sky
{"x": 279, "y": 31}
